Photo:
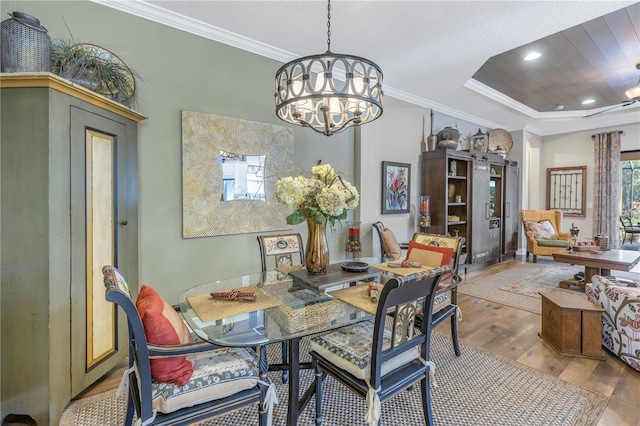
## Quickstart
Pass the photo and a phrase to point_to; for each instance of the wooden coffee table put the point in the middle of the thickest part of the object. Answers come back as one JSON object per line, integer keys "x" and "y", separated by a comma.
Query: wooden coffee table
{"x": 597, "y": 263}
{"x": 571, "y": 324}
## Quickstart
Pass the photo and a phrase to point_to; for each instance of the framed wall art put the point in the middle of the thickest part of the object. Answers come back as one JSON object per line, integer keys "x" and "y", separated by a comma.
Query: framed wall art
{"x": 567, "y": 190}
{"x": 395, "y": 187}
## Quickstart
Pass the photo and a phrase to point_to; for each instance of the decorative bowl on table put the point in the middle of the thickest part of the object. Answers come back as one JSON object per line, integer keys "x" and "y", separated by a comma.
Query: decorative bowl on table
{"x": 355, "y": 266}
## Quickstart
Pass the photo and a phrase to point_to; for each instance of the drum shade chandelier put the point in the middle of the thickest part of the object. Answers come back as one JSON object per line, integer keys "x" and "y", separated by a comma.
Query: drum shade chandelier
{"x": 329, "y": 92}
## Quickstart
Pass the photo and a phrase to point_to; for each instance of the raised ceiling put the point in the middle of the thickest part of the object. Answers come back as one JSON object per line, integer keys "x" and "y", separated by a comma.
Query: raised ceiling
{"x": 428, "y": 50}
{"x": 594, "y": 60}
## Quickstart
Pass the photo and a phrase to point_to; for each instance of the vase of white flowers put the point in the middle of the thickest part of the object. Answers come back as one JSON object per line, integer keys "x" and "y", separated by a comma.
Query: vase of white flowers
{"x": 324, "y": 197}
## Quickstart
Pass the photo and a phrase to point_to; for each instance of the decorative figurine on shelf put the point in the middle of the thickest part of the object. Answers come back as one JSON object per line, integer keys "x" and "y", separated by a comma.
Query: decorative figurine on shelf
{"x": 453, "y": 168}
{"x": 574, "y": 237}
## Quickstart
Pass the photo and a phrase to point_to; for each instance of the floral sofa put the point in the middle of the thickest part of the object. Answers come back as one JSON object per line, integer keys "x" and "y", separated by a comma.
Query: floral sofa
{"x": 621, "y": 318}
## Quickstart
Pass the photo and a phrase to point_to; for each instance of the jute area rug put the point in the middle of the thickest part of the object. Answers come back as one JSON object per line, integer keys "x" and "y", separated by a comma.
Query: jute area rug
{"x": 519, "y": 286}
{"x": 477, "y": 388}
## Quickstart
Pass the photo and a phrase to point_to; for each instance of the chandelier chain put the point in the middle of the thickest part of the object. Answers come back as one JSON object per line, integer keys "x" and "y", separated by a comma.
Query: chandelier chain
{"x": 309, "y": 93}
{"x": 329, "y": 26}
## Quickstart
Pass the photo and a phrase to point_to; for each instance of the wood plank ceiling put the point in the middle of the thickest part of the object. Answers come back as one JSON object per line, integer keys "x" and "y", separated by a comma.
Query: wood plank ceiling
{"x": 593, "y": 60}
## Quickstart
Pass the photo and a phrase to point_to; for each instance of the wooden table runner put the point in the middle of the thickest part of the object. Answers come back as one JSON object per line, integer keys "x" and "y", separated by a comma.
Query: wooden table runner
{"x": 209, "y": 309}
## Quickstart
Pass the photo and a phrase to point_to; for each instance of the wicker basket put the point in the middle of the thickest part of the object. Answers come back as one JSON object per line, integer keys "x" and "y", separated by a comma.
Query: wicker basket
{"x": 296, "y": 314}
{"x": 314, "y": 316}
{"x": 26, "y": 46}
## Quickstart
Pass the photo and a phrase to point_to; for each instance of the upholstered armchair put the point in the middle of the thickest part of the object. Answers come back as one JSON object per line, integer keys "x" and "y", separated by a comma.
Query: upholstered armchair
{"x": 621, "y": 317}
{"x": 543, "y": 231}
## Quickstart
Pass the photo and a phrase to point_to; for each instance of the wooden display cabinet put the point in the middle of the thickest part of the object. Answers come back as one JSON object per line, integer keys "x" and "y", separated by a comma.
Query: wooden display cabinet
{"x": 473, "y": 195}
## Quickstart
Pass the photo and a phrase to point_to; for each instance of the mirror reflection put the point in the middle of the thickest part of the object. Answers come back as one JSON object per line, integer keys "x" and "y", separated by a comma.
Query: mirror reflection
{"x": 242, "y": 176}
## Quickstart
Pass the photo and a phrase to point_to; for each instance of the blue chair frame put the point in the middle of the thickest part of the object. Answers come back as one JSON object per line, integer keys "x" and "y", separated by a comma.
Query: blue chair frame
{"x": 140, "y": 351}
{"x": 397, "y": 295}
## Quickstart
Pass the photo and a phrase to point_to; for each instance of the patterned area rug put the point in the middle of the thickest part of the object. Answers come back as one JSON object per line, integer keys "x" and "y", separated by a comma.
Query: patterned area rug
{"x": 541, "y": 279}
{"x": 478, "y": 388}
{"x": 519, "y": 286}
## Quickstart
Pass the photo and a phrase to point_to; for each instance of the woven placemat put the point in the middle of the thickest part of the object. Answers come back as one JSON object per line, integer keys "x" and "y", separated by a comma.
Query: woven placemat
{"x": 287, "y": 269}
{"x": 358, "y": 296}
{"x": 209, "y": 309}
{"x": 400, "y": 271}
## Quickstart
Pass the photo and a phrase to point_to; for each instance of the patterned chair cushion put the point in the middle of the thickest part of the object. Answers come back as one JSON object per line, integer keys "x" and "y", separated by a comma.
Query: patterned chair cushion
{"x": 542, "y": 230}
{"x": 440, "y": 301}
{"x": 217, "y": 374}
{"x": 349, "y": 348}
{"x": 621, "y": 319}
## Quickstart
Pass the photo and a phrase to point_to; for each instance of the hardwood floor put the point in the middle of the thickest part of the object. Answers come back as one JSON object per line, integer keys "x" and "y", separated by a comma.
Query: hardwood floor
{"x": 513, "y": 333}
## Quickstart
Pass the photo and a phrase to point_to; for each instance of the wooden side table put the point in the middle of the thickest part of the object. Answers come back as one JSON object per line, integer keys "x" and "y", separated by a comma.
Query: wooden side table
{"x": 571, "y": 324}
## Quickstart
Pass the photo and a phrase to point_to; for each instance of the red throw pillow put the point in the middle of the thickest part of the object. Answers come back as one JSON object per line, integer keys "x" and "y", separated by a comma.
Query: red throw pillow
{"x": 431, "y": 256}
{"x": 160, "y": 329}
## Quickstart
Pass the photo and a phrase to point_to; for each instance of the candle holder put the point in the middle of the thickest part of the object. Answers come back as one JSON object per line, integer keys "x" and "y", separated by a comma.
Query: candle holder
{"x": 353, "y": 247}
{"x": 574, "y": 237}
{"x": 425, "y": 213}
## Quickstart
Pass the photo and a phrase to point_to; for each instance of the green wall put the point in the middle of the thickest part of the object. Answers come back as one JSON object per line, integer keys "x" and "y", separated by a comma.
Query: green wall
{"x": 182, "y": 71}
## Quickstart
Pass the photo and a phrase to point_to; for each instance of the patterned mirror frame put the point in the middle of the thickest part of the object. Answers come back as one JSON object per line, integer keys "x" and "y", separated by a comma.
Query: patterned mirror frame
{"x": 204, "y": 136}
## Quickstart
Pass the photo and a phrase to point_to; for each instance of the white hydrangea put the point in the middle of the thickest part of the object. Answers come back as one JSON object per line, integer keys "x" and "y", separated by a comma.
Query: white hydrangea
{"x": 292, "y": 191}
{"x": 331, "y": 201}
{"x": 350, "y": 192}
{"x": 323, "y": 172}
{"x": 324, "y": 191}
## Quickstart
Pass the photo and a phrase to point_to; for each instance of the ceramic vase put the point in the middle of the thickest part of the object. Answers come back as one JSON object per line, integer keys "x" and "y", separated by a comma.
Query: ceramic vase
{"x": 451, "y": 191}
{"x": 317, "y": 251}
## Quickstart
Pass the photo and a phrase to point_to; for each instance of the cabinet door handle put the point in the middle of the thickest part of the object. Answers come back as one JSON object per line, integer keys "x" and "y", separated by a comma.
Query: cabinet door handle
{"x": 124, "y": 223}
{"x": 508, "y": 209}
{"x": 486, "y": 210}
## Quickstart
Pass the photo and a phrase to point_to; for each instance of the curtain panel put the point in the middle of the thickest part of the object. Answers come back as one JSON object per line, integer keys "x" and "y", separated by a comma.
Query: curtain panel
{"x": 606, "y": 201}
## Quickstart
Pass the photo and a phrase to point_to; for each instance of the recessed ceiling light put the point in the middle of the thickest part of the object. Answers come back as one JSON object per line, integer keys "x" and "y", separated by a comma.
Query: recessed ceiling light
{"x": 531, "y": 56}
{"x": 588, "y": 101}
{"x": 559, "y": 107}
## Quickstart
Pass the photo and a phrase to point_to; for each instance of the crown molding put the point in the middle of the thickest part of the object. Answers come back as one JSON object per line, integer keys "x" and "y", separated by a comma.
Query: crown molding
{"x": 426, "y": 103}
{"x": 494, "y": 95}
{"x": 157, "y": 14}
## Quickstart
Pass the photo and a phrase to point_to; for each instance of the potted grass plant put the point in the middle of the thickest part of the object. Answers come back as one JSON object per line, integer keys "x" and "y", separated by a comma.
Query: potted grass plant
{"x": 95, "y": 68}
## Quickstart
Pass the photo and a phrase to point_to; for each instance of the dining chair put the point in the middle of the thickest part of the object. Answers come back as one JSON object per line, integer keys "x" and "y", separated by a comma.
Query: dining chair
{"x": 446, "y": 301}
{"x": 286, "y": 250}
{"x": 389, "y": 246}
{"x": 379, "y": 358}
{"x": 208, "y": 381}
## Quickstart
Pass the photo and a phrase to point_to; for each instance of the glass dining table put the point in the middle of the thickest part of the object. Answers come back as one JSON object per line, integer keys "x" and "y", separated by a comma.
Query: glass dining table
{"x": 287, "y": 308}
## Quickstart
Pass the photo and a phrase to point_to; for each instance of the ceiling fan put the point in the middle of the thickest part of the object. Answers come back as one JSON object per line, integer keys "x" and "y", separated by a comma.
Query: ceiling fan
{"x": 632, "y": 93}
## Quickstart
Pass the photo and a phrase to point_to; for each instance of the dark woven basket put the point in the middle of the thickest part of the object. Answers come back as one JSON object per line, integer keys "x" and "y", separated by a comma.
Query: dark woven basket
{"x": 26, "y": 46}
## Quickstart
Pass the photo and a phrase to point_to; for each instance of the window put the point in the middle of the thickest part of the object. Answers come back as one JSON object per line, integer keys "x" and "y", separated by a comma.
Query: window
{"x": 630, "y": 185}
